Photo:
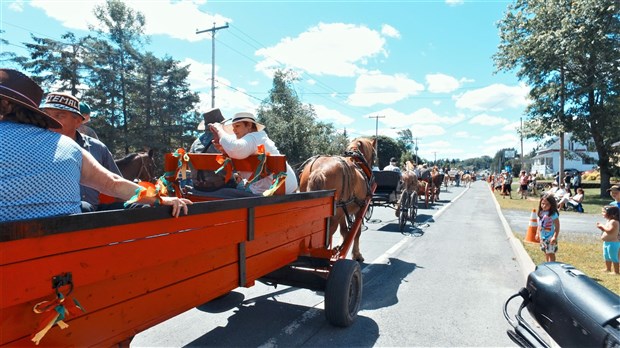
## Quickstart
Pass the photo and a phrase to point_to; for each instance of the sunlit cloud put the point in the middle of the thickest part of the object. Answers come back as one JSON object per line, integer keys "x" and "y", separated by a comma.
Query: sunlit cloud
{"x": 390, "y": 31}
{"x": 441, "y": 83}
{"x": 372, "y": 89}
{"x": 332, "y": 116}
{"x": 488, "y": 120}
{"x": 155, "y": 13}
{"x": 495, "y": 97}
{"x": 349, "y": 47}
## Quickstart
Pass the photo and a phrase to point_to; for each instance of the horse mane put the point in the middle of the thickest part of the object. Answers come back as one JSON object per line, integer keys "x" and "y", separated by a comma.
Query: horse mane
{"x": 127, "y": 159}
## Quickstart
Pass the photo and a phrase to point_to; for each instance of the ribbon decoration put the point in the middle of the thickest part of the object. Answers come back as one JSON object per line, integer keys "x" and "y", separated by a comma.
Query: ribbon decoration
{"x": 54, "y": 312}
{"x": 148, "y": 189}
{"x": 226, "y": 165}
{"x": 183, "y": 161}
{"x": 261, "y": 169}
{"x": 277, "y": 182}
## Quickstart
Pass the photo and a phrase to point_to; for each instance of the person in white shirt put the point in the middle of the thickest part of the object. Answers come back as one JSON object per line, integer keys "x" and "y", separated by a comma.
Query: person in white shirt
{"x": 393, "y": 166}
{"x": 575, "y": 201}
{"x": 561, "y": 196}
{"x": 241, "y": 139}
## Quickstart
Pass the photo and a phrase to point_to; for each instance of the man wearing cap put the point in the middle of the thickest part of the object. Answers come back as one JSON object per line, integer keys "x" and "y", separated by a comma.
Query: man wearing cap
{"x": 83, "y": 128}
{"x": 41, "y": 171}
{"x": 614, "y": 192}
{"x": 393, "y": 166}
{"x": 65, "y": 108}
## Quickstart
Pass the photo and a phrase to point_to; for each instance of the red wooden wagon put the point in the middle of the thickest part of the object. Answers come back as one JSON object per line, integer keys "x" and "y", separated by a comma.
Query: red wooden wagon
{"x": 132, "y": 269}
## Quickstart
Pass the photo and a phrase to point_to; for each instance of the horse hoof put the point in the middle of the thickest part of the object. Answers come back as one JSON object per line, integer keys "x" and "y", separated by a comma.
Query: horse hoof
{"x": 359, "y": 258}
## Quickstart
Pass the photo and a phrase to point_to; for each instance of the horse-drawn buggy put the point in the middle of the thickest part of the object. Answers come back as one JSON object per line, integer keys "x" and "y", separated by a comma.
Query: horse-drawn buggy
{"x": 98, "y": 279}
{"x": 396, "y": 191}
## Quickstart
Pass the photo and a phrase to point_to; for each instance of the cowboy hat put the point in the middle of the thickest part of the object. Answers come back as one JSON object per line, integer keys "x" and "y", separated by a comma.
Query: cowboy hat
{"x": 21, "y": 90}
{"x": 243, "y": 117}
{"x": 63, "y": 101}
{"x": 211, "y": 116}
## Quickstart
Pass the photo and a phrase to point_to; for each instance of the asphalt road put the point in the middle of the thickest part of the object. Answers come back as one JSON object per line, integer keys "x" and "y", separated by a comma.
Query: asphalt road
{"x": 442, "y": 283}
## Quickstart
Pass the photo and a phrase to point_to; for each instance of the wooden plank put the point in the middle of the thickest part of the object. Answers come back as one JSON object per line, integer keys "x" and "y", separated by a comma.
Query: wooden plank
{"x": 123, "y": 274}
{"x": 206, "y": 161}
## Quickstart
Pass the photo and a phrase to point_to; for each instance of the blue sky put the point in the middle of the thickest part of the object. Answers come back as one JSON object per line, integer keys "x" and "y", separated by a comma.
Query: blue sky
{"x": 422, "y": 65}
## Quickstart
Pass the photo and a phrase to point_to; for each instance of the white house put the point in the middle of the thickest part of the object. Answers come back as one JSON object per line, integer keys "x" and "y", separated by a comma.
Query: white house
{"x": 577, "y": 156}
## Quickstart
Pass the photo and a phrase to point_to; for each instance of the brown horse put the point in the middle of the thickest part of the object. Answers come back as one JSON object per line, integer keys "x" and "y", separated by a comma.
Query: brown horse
{"x": 137, "y": 166}
{"x": 346, "y": 175}
{"x": 436, "y": 181}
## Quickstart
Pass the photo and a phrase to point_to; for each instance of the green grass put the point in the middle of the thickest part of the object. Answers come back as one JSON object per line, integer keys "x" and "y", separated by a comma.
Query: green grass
{"x": 585, "y": 253}
{"x": 592, "y": 202}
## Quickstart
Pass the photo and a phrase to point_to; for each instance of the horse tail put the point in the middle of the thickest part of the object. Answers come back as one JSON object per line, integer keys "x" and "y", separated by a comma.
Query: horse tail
{"x": 317, "y": 180}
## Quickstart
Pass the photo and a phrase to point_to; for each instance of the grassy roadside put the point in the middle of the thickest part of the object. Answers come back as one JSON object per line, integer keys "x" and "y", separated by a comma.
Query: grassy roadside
{"x": 585, "y": 253}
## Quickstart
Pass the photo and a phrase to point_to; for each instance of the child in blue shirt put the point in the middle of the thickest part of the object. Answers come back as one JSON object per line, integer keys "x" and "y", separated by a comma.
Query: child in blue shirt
{"x": 548, "y": 226}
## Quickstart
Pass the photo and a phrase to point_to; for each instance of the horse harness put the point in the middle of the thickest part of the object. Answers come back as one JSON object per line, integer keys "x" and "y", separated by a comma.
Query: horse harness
{"x": 361, "y": 165}
{"x": 143, "y": 168}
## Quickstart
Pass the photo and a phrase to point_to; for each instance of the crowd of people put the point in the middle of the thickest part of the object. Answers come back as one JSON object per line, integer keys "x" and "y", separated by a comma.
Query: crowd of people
{"x": 51, "y": 139}
{"x": 57, "y": 165}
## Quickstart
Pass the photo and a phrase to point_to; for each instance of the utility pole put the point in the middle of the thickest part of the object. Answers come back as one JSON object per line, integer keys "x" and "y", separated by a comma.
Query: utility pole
{"x": 435, "y": 153}
{"x": 212, "y": 30}
{"x": 377, "y": 135}
{"x": 522, "y": 164}
{"x": 416, "y": 151}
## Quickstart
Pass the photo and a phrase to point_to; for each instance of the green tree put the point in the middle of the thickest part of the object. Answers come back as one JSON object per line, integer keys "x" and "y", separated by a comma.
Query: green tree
{"x": 56, "y": 64}
{"x": 568, "y": 51}
{"x": 123, "y": 30}
{"x": 387, "y": 149}
{"x": 293, "y": 125}
{"x": 4, "y": 54}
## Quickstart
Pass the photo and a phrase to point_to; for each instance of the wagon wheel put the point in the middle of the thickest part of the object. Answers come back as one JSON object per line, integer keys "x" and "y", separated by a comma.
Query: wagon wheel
{"x": 413, "y": 208}
{"x": 404, "y": 210}
{"x": 343, "y": 293}
{"x": 368, "y": 214}
{"x": 431, "y": 191}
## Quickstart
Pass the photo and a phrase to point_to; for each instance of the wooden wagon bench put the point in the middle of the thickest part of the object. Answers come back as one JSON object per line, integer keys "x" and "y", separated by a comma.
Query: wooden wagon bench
{"x": 132, "y": 269}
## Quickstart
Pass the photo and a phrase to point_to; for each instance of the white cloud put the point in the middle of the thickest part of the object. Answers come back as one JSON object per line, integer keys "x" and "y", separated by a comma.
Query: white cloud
{"x": 390, "y": 31}
{"x": 488, "y": 120}
{"x": 416, "y": 120}
{"x": 228, "y": 100}
{"x": 495, "y": 97}
{"x": 371, "y": 89}
{"x": 441, "y": 83}
{"x": 337, "y": 49}
{"x": 504, "y": 140}
{"x": 155, "y": 12}
{"x": 455, "y": 2}
{"x": 463, "y": 134}
{"x": 17, "y": 6}
{"x": 514, "y": 126}
{"x": 329, "y": 115}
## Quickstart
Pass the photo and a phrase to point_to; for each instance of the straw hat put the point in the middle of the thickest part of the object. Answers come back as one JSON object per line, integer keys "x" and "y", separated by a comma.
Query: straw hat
{"x": 243, "y": 117}
{"x": 23, "y": 91}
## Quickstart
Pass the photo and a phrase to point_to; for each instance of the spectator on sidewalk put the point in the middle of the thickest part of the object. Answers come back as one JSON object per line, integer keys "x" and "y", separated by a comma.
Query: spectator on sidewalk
{"x": 576, "y": 200}
{"x": 548, "y": 226}
{"x": 609, "y": 235}
{"x": 614, "y": 192}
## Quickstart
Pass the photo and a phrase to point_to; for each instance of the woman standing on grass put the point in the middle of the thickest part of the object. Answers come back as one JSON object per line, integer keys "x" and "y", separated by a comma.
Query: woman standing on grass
{"x": 548, "y": 226}
{"x": 611, "y": 244}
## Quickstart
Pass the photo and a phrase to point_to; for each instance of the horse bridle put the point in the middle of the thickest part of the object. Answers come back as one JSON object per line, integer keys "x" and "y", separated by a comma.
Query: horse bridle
{"x": 143, "y": 168}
